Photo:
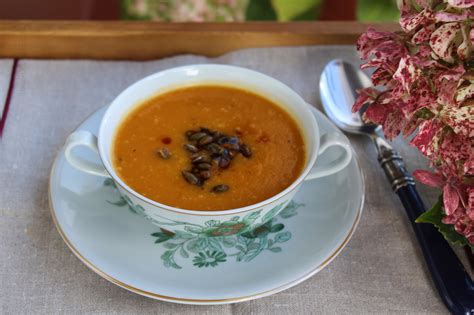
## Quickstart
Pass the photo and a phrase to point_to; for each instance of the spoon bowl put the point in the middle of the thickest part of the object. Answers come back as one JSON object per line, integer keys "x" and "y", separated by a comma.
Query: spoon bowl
{"x": 338, "y": 85}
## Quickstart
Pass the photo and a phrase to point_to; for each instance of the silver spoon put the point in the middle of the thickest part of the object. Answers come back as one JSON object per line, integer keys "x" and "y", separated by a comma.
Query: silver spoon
{"x": 338, "y": 84}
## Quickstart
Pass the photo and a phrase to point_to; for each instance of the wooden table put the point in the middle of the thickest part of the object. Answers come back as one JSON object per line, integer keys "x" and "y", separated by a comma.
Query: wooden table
{"x": 151, "y": 40}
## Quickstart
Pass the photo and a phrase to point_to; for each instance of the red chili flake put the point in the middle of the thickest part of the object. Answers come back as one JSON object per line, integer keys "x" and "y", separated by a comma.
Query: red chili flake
{"x": 166, "y": 140}
{"x": 263, "y": 138}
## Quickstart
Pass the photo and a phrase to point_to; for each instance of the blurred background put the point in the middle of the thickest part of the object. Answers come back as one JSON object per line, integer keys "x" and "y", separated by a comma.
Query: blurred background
{"x": 201, "y": 10}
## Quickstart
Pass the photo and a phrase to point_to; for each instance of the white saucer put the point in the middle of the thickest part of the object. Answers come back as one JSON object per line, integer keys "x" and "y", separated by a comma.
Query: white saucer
{"x": 120, "y": 245}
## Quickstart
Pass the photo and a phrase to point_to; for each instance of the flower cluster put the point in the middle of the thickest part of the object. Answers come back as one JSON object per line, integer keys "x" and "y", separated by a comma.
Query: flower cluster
{"x": 428, "y": 73}
{"x": 187, "y": 10}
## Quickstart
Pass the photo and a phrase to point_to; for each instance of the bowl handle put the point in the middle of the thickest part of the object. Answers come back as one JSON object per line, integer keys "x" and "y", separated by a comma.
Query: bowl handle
{"x": 329, "y": 140}
{"x": 86, "y": 139}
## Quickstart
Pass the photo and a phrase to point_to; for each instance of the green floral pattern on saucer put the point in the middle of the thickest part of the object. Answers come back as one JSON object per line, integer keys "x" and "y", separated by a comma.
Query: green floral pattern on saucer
{"x": 217, "y": 241}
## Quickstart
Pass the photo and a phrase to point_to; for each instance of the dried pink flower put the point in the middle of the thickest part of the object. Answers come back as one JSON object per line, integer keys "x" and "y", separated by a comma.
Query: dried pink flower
{"x": 428, "y": 72}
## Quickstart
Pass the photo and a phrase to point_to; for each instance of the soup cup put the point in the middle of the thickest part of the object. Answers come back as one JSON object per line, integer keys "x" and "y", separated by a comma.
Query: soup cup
{"x": 208, "y": 223}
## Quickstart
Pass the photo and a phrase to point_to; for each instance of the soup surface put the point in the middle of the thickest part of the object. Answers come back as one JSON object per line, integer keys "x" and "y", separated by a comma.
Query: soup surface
{"x": 159, "y": 125}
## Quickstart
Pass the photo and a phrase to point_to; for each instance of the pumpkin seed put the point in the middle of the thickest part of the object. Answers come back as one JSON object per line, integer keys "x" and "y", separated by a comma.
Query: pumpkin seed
{"x": 217, "y": 135}
{"x": 220, "y": 188}
{"x": 205, "y": 174}
{"x": 222, "y": 140}
{"x": 232, "y": 146}
{"x": 191, "y": 178}
{"x": 224, "y": 162}
{"x": 215, "y": 149}
{"x": 191, "y": 148}
{"x": 204, "y": 166}
{"x": 164, "y": 153}
{"x": 200, "y": 157}
{"x": 206, "y": 130}
{"x": 234, "y": 140}
{"x": 245, "y": 150}
{"x": 197, "y": 136}
{"x": 189, "y": 133}
{"x": 205, "y": 140}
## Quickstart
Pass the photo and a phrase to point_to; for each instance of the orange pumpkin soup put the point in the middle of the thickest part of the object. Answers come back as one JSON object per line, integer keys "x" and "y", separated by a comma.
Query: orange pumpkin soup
{"x": 208, "y": 147}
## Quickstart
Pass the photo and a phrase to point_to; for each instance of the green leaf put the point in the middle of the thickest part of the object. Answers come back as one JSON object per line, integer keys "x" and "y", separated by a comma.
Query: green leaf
{"x": 277, "y": 227}
{"x": 193, "y": 246}
{"x": 244, "y": 239}
{"x": 229, "y": 241}
{"x": 260, "y": 10}
{"x": 261, "y": 232}
{"x": 203, "y": 243}
{"x": 161, "y": 237}
{"x": 270, "y": 214}
{"x": 252, "y": 216}
{"x": 434, "y": 216}
{"x": 170, "y": 245}
{"x": 109, "y": 182}
{"x": 183, "y": 235}
{"x": 119, "y": 203}
{"x": 214, "y": 245}
{"x": 168, "y": 259}
{"x": 252, "y": 247}
{"x": 139, "y": 209}
{"x": 282, "y": 237}
{"x": 290, "y": 210}
{"x": 376, "y": 11}
{"x": 248, "y": 235}
{"x": 275, "y": 249}
{"x": 193, "y": 229}
{"x": 183, "y": 252}
{"x": 158, "y": 234}
{"x": 270, "y": 243}
{"x": 288, "y": 10}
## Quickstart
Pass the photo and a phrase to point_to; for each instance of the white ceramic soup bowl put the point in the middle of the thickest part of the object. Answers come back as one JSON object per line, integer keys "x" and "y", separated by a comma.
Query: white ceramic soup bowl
{"x": 210, "y": 223}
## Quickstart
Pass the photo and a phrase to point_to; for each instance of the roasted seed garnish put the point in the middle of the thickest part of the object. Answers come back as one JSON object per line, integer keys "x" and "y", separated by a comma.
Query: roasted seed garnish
{"x": 205, "y": 174}
{"x": 191, "y": 178}
{"x": 205, "y": 140}
{"x": 215, "y": 149}
{"x": 220, "y": 188}
{"x": 204, "y": 166}
{"x": 164, "y": 153}
{"x": 222, "y": 140}
{"x": 205, "y": 130}
{"x": 245, "y": 150}
{"x": 216, "y": 135}
{"x": 224, "y": 162}
{"x": 232, "y": 146}
{"x": 191, "y": 148}
{"x": 196, "y": 136}
{"x": 211, "y": 149}
{"x": 200, "y": 157}
{"x": 234, "y": 140}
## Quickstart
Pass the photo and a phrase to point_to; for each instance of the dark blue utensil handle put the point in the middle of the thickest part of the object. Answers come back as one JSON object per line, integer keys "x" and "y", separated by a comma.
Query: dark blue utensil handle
{"x": 454, "y": 284}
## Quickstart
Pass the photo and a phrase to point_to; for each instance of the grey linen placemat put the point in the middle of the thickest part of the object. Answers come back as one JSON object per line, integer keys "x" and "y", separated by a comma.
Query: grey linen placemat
{"x": 6, "y": 66}
{"x": 380, "y": 271}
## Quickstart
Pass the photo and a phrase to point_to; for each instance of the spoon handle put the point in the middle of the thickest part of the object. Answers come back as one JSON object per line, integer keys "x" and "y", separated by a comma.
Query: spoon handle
{"x": 454, "y": 284}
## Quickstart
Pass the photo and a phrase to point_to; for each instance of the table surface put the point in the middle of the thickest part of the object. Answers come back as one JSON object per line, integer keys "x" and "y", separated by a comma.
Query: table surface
{"x": 381, "y": 270}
